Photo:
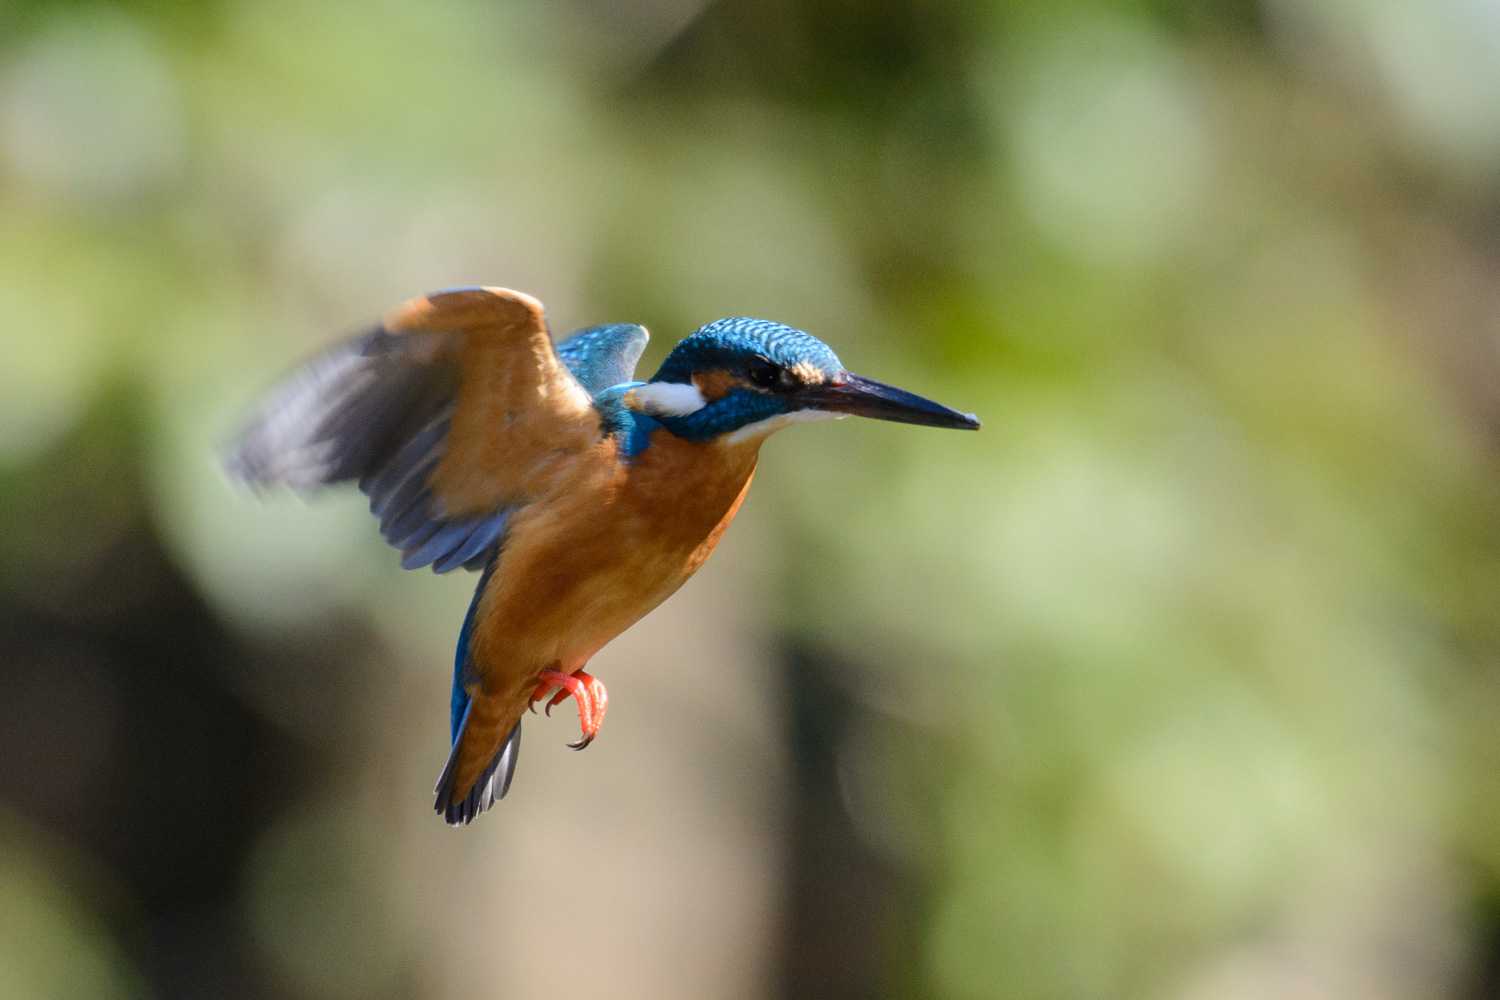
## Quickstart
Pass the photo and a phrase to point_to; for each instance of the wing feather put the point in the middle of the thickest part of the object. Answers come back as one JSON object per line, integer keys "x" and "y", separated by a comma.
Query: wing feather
{"x": 453, "y": 412}
{"x": 604, "y": 356}
{"x": 520, "y": 412}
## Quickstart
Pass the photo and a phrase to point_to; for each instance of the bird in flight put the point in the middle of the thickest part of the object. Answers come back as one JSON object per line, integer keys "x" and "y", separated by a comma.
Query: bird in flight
{"x": 583, "y": 498}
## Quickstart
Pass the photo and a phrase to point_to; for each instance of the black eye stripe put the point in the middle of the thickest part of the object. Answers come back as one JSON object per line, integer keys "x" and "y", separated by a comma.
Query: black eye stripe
{"x": 766, "y": 374}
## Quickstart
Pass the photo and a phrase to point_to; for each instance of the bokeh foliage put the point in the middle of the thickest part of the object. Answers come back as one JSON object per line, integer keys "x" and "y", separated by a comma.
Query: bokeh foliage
{"x": 1177, "y": 680}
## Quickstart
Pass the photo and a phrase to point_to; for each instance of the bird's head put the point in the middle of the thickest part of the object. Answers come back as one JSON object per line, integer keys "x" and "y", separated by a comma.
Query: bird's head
{"x": 744, "y": 378}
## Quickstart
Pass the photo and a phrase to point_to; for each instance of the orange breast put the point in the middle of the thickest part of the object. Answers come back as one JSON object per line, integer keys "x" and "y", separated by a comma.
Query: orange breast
{"x": 611, "y": 541}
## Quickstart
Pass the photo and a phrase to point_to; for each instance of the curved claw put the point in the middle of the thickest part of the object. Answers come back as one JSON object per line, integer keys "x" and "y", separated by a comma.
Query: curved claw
{"x": 541, "y": 691}
{"x": 588, "y": 691}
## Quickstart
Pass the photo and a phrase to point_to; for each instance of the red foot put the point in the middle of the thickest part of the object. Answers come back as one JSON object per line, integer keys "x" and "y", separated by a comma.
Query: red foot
{"x": 583, "y": 688}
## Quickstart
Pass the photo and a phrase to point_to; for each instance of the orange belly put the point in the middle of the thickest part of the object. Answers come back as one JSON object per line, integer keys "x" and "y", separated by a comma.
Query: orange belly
{"x": 613, "y": 541}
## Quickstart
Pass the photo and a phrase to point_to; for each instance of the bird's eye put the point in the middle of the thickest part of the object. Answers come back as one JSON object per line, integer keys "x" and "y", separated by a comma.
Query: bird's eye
{"x": 767, "y": 374}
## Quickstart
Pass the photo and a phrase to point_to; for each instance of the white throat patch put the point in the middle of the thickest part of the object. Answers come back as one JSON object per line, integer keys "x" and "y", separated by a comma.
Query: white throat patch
{"x": 761, "y": 428}
{"x": 666, "y": 399}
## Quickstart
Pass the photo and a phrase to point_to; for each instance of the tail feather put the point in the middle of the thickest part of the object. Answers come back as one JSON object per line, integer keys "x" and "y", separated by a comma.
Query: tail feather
{"x": 460, "y": 803}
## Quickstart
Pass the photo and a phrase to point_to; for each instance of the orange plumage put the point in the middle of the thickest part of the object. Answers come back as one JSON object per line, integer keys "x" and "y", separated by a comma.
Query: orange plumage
{"x": 591, "y": 559}
{"x": 586, "y": 498}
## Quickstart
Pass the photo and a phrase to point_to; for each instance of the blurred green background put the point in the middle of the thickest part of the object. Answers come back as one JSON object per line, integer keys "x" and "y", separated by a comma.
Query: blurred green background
{"x": 1178, "y": 680}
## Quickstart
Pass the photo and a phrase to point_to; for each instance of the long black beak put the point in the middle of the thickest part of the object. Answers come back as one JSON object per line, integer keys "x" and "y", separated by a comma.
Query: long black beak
{"x": 865, "y": 397}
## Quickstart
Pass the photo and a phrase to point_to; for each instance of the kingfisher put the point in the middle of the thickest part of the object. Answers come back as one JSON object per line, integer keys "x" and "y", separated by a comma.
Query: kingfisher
{"x": 583, "y": 498}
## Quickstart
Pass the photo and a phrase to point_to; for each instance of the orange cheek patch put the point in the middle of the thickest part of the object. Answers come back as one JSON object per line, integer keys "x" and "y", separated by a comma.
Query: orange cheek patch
{"x": 716, "y": 384}
{"x": 807, "y": 373}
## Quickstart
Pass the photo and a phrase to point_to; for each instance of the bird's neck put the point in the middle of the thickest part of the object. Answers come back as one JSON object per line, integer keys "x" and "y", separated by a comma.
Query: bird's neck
{"x": 638, "y": 412}
{"x": 682, "y": 409}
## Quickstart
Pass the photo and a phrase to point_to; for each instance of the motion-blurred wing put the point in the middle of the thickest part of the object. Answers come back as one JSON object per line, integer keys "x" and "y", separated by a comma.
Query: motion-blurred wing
{"x": 602, "y": 356}
{"x": 449, "y": 415}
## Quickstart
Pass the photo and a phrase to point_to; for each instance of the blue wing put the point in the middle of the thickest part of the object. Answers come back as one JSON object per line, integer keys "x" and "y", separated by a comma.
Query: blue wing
{"x": 365, "y": 411}
{"x": 378, "y": 410}
{"x": 602, "y": 356}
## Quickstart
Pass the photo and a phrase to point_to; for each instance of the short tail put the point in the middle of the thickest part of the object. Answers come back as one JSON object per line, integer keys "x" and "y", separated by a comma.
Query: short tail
{"x": 478, "y": 773}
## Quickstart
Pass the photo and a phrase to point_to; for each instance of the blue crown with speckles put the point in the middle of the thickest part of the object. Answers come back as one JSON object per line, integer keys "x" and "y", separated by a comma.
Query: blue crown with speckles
{"x": 728, "y": 344}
